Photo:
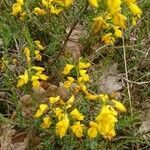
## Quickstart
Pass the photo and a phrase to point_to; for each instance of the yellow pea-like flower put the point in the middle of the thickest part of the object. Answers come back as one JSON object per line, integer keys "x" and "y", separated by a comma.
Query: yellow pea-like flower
{"x": 119, "y": 20}
{"x": 92, "y": 96}
{"x": 77, "y": 129}
{"x": 82, "y": 72}
{"x": 38, "y": 55}
{"x": 69, "y": 82}
{"x": 67, "y": 69}
{"x": 46, "y": 122}
{"x": 20, "y": 2}
{"x": 43, "y": 77}
{"x": 58, "y": 111}
{"x": 108, "y": 39}
{"x": 39, "y": 69}
{"x": 16, "y": 9}
{"x": 35, "y": 81}
{"x": 23, "y": 79}
{"x": 68, "y": 3}
{"x": 106, "y": 121}
{"x": 53, "y": 100}
{"x": 23, "y": 15}
{"x": 84, "y": 65}
{"x": 135, "y": 10}
{"x": 39, "y": 45}
{"x": 54, "y": 10}
{"x": 83, "y": 78}
{"x": 98, "y": 24}
{"x": 70, "y": 101}
{"x": 47, "y": 3}
{"x": 93, "y": 130}
{"x": 77, "y": 115}
{"x": 27, "y": 53}
{"x": 39, "y": 11}
{"x": 119, "y": 106}
{"x": 93, "y": 3}
{"x": 42, "y": 109}
{"x": 117, "y": 33}
{"x": 62, "y": 126}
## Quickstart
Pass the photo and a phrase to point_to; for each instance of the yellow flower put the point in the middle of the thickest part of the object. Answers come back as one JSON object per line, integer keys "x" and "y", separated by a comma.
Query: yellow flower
{"x": 91, "y": 96}
{"x": 70, "y": 101}
{"x": 22, "y": 15}
{"x": 27, "y": 53}
{"x": 35, "y": 81}
{"x": 67, "y": 69}
{"x": 39, "y": 69}
{"x": 42, "y": 76}
{"x": 39, "y": 11}
{"x": 16, "y": 9}
{"x": 92, "y": 131}
{"x": 93, "y": 3}
{"x": 84, "y": 78}
{"x": 114, "y": 6}
{"x": 119, "y": 106}
{"x": 106, "y": 122}
{"x": 38, "y": 44}
{"x": 62, "y": 126}
{"x": 77, "y": 129}
{"x": 54, "y": 10}
{"x": 53, "y": 100}
{"x": 46, "y": 3}
{"x": 20, "y": 2}
{"x": 108, "y": 39}
{"x": 58, "y": 111}
{"x": 118, "y": 33}
{"x": 119, "y": 20}
{"x": 23, "y": 79}
{"x": 83, "y": 87}
{"x": 46, "y": 122}
{"x": 77, "y": 115}
{"x": 68, "y": 83}
{"x": 82, "y": 72}
{"x": 38, "y": 55}
{"x": 84, "y": 65}
{"x": 104, "y": 98}
{"x": 135, "y": 10}
{"x": 99, "y": 24}
{"x": 42, "y": 109}
{"x": 134, "y": 21}
{"x": 68, "y": 3}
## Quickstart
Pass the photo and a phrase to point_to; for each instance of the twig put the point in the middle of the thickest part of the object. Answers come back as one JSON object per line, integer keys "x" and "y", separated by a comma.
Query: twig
{"x": 74, "y": 25}
{"x": 126, "y": 73}
{"x": 138, "y": 83}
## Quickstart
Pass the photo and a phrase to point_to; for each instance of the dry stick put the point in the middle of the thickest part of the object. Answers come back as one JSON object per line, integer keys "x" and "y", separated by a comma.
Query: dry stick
{"x": 74, "y": 25}
{"x": 126, "y": 73}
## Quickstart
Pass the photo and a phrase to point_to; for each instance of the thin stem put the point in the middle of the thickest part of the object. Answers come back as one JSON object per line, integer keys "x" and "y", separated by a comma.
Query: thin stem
{"x": 74, "y": 25}
{"x": 126, "y": 73}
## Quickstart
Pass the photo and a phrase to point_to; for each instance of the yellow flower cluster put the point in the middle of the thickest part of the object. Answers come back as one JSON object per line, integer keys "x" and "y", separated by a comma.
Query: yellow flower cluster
{"x": 113, "y": 19}
{"x": 33, "y": 73}
{"x": 47, "y": 6}
{"x": 68, "y": 116}
{"x": 17, "y": 9}
{"x": 35, "y": 77}
{"x": 52, "y": 6}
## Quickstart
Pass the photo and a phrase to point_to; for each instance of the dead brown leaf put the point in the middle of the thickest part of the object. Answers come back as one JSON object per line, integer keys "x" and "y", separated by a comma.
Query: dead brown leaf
{"x": 110, "y": 82}
{"x": 77, "y": 33}
{"x": 26, "y": 105}
{"x": 145, "y": 126}
{"x": 6, "y": 139}
{"x": 73, "y": 45}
